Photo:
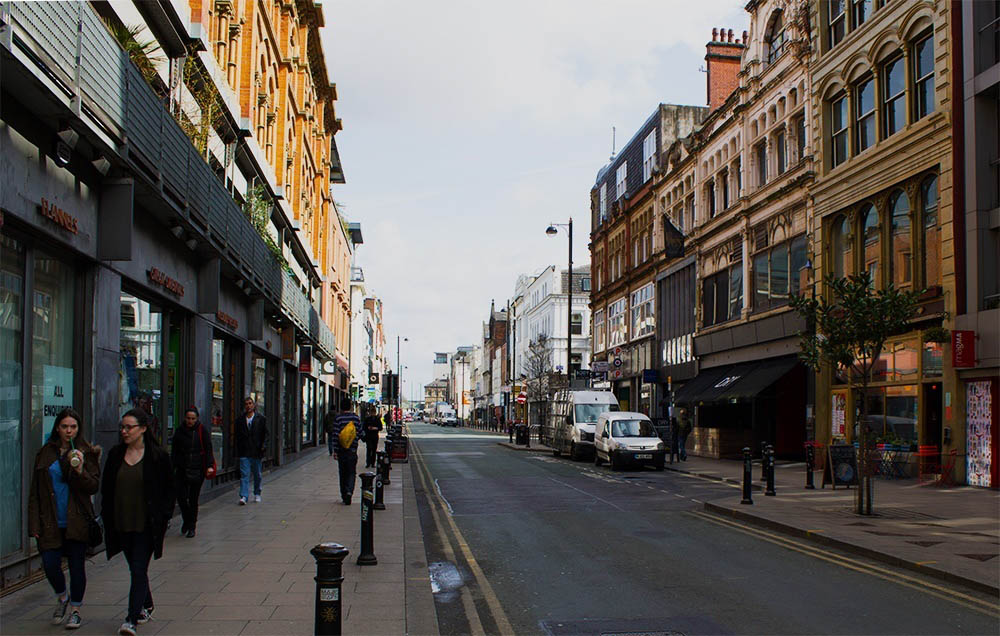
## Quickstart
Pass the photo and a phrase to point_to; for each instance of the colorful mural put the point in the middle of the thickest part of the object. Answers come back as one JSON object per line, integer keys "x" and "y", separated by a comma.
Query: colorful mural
{"x": 979, "y": 410}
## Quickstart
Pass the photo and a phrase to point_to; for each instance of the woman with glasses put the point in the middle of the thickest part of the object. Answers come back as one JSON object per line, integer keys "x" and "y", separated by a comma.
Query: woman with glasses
{"x": 67, "y": 471}
{"x": 137, "y": 503}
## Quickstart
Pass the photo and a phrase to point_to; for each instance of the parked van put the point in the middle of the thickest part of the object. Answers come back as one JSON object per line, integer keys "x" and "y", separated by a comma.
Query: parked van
{"x": 625, "y": 438}
{"x": 569, "y": 424}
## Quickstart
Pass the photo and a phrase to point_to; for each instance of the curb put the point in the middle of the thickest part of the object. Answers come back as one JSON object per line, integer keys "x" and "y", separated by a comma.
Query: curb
{"x": 523, "y": 449}
{"x": 754, "y": 484}
{"x": 420, "y": 613}
{"x": 853, "y": 548}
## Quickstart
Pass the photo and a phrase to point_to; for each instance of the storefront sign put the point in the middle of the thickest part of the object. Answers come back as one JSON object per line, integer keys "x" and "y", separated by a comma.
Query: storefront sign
{"x": 227, "y": 320}
{"x": 963, "y": 348}
{"x": 839, "y": 416}
{"x": 57, "y": 394}
{"x": 288, "y": 344}
{"x": 159, "y": 278}
{"x": 673, "y": 240}
{"x": 305, "y": 359}
{"x": 58, "y": 216}
{"x": 599, "y": 366}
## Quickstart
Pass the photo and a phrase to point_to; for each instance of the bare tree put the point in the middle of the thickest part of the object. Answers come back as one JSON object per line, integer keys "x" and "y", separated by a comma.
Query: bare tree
{"x": 538, "y": 368}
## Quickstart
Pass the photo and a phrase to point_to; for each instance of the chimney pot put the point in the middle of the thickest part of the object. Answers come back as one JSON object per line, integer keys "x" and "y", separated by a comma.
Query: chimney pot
{"x": 744, "y": 37}
{"x": 730, "y": 35}
{"x": 715, "y": 34}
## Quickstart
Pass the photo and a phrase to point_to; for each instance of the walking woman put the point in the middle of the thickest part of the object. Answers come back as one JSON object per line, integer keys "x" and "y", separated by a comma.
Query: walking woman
{"x": 194, "y": 461}
{"x": 67, "y": 472}
{"x": 137, "y": 501}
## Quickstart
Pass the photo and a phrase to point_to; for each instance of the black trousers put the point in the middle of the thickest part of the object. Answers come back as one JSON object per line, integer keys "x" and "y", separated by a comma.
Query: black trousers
{"x": 187, "y": 499}
{"x": 371, "y": 447}
{"x": 138, "y": 550}
{"x": 347, "y": 463}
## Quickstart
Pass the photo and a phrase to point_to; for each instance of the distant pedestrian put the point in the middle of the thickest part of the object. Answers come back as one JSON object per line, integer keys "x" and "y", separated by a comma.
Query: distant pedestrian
{"x": 373, "y": 425}
{"x": 194, "y": 461}
{"x": 67, "y": 472}
{"x": 137, "y": 501}
{"x": 347, "y": 428}
{"x": 684, "y": 426}
{"x": 251, "y": 444}
{"x": 328, "y": 420}
{"x": 675, "y": 439}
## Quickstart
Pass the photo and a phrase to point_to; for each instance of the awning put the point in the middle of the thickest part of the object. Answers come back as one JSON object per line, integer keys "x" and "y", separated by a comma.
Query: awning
{"x": 734, "y": 381}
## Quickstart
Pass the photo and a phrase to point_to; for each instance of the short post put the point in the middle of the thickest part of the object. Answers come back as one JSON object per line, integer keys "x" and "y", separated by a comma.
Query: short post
{"x": 329, "y": 576}
{"x": 770, "y": 472}
{"x": 763, "y": 461}
{"x": 527, "y": 436}
{"x": 379, "y": 503}
{"x": 383, "y": 465}
{"x": 367, "y": 556}
{"x": 810, "y": 459}
{"x": 510, "y": 432}
{"x": 747, "y": 476}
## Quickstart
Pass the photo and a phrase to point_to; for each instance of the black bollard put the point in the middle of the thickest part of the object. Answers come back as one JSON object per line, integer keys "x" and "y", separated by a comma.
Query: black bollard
{"x": 527, "y": 436}
{"x": 329, "y": 576}
{"x": 810, "y": 459}
{"x": 384, "y": 466}
{"x": 747, "y": 476}
{"x": 770, "y": 472}
{"x": 379, "y": 500}
{"x": 510, "y": 432}
{"x": 367, "y": 556}
{"x": 763, "y": 461}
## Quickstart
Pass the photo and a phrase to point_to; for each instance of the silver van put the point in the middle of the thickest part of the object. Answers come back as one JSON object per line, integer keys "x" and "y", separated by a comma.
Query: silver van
{"x": 569, "y": 423}
{"x": 625, "y": 438}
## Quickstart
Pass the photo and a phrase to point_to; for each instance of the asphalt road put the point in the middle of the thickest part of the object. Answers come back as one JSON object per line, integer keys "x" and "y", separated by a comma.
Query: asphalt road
{"x": 523, "y": 543}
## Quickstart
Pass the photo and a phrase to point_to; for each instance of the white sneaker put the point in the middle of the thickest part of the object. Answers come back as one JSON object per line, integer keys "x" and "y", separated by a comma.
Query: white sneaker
{"x": 243, "y": 501}
{"x": 145, "y": 616}
{"x": 127, "y": 629}
{"x": 256, "y": 498}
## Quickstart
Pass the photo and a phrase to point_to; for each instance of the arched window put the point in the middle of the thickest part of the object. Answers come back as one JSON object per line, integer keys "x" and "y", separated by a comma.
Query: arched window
{"x": 901, "y": 246}
{"x": 931, "y": 261}
{"x": 871, "y": 234}
{"x": 843, "y": 252}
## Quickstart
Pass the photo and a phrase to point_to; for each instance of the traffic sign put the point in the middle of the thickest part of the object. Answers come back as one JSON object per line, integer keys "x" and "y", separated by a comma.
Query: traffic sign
{"x": 521, "y": 398}
{"x": 617, "y": 363}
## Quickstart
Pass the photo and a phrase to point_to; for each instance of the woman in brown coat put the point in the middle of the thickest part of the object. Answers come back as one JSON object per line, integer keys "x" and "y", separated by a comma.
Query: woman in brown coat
{"x": 67, "y": 472}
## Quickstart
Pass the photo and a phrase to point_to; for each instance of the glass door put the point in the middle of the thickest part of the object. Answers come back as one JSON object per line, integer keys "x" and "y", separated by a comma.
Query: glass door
{"x": 227, "y": 378}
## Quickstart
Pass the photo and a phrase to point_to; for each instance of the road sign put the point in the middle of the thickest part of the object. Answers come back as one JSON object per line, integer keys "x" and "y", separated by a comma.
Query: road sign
{"x": 618, "y": 352}
{"x": 617, "y": 363}
{"x": 521, "y": 398}
{"x": 599, "y": 366}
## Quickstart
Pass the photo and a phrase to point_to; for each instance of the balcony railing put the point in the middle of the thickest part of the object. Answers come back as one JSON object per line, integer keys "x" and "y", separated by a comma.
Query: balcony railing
{"x": 72, "y": 49}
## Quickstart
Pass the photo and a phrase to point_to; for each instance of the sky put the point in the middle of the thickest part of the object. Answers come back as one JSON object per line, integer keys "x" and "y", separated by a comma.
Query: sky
{"x": 469, "y": 126}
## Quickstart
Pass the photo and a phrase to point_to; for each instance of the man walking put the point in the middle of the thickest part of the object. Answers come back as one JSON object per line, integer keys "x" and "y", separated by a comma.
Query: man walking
{"x": 328, "y": 421}
{"x": 346, "y": 427}
{"x": 373, "y": 424}
{"x": 251, "y": 443}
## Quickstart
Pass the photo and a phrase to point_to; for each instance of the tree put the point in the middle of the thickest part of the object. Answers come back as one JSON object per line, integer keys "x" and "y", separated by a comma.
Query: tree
{"x": 848, "y": 330}
{"x": 538, "y": 368}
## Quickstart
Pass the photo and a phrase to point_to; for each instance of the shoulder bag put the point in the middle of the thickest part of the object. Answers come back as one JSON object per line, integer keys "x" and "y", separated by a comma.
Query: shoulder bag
{"x": 95, "y": 531}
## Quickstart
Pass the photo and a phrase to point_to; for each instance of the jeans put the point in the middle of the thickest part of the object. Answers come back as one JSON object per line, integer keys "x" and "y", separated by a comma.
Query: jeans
{"x": 347, "y": 463}
{"x": 371, "y": 447}
{"x": 248, "y": 464}
{"x": 138, "y": 550}
{"x": 330, "y": 439}
{"x": 75, "y": 552}
{"x": 187, "y": 499}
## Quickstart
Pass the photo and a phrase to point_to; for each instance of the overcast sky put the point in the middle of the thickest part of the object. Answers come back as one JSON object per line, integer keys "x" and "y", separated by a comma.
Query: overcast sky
{"x": 470, "y": 126}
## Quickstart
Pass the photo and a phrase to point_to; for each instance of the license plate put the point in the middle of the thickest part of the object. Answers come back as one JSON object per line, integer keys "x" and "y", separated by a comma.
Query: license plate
{"x": 644, "y": 456}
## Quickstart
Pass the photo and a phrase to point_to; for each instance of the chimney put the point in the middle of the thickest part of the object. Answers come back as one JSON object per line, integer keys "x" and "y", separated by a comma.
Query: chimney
{"x": 723, "y": 58}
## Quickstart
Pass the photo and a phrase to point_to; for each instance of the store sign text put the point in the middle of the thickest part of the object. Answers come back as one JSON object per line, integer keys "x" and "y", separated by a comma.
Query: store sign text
{"x": 227, "y": 320}
{"x": 159, "y": 278}
{"x": 58, "y": 215}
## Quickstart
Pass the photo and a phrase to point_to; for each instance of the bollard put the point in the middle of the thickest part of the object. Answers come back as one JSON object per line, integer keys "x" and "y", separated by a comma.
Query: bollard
{"x": 510, "y": 432}
{"x": 747, "y": 476}
{"x": 329, "y": 576}
{"x": 810, "y": 459}
{"x": 367, "y": 556}
{"x": 379, "y": 500}
{"x": 527, "y": 436}
{"x": 384, "y": 465}
{"x": 770, "y": 472}
{"x": 763, "y": 461}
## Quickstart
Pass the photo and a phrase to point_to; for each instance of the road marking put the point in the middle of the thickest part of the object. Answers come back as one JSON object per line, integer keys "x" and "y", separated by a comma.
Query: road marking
{"x": 437, "y": 487}
{"x": 588, "y": 494}
{"x": 970, "y": 602}
{"x": 492, "y": 602}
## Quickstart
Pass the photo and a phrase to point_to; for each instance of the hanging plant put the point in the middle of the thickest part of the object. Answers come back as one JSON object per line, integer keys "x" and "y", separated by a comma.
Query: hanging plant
{"x": 257, "y": 209}
{"x": 937, "y": 334}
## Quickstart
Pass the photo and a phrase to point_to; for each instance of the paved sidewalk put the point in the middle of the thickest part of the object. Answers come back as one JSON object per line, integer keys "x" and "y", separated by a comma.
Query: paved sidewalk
{"x": 249, "y": 570}
{"x": 949, "y": 533}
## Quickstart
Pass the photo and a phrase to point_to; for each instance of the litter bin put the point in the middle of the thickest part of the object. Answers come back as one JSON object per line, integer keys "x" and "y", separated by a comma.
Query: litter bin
{"x": 521, "y": 434}
{"x": 399, "y": 450}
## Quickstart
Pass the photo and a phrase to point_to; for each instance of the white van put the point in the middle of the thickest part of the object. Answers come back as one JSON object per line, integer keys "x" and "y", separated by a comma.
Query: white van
{"x": 569, "y": 424}
{"x": 625, "y": 438}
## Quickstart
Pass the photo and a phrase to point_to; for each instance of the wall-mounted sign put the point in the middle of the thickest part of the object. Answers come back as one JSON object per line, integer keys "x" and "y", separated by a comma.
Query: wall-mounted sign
{"x": 288, "y": 344}
{"x": 305, "y": 359}
{"x": 963, "y": 348}
{"x": 227, "y": 320}
{"x": 58, "y": 216}
{"x": 673, "y": 240}
{"x": 599, "y": 366}
{"x": 330, "y": 367}
{"x": 159, "y": 278}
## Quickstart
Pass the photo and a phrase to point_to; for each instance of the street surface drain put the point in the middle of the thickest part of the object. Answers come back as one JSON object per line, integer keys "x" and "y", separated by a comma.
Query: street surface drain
{"x": 446, "y": 580}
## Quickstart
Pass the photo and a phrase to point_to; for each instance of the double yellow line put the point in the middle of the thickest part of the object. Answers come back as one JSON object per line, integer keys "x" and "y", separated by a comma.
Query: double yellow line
{"x": 439, "y": 512}
{"x": 989, "y": 608}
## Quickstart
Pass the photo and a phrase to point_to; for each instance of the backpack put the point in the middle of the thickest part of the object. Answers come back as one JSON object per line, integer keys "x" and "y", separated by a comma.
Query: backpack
{"x": 347, "y": 435}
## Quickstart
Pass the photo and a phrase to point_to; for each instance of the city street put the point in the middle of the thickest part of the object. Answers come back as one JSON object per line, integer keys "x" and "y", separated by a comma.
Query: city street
{"x": 522, "y": 542}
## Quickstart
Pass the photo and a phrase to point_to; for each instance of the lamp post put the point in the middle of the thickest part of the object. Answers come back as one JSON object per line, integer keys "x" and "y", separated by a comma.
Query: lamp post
{"x": 552, "y": 231}
{"x": 399, "y": 378}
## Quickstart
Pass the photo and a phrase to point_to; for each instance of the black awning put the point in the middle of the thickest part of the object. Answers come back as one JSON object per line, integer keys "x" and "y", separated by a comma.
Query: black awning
{"x": 693, "y": 389}
{"x": 763, "y": 374}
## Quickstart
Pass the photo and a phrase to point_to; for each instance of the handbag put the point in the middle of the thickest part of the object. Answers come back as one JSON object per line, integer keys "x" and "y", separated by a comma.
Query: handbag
{"x": 210, "y": 470}
{"x": 95, "y": 531}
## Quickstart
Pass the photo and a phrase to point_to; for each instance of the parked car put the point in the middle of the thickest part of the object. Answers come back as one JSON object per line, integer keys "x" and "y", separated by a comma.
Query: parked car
{"x": 625, "y": 438}
{"x": 569, "y": 423}
{"x": 449, "y": 420}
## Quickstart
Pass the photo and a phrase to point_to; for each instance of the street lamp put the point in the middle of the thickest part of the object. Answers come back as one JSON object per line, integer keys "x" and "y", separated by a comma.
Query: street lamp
{"x": 399, "y": 378}
{"x": 552, "y": 231}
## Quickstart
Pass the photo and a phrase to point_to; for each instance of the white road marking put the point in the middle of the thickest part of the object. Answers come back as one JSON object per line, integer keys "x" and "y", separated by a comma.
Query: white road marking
{"x": 437, "y": 487}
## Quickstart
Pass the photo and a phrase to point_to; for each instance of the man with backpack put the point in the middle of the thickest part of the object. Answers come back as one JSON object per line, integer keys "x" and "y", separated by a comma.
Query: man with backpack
{"x": 346, "y": 427}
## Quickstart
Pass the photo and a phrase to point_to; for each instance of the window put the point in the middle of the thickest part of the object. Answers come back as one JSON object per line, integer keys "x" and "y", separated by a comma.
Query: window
{"x": 843, "y": 249}
{"x": 838, "y": 131}
{"x": 722, "y": 295}
{"x": 738, "y": 171}
{"x": 576, "y": 325}
{"x": 648, "y": 156}
{"x": 616, "y": 322}
{"x": 779, "y": 143}
{"x": 643, "y": 320}
{"x": 620, "y": 175}
{"x": 894, "y": 92}
{"x": 865, "y": 113}
{"x": 724, "y": 180}
{"x": 604, "y": 203}
{"x": 862, "y": 11}
{"x": 923, "y": 77}
{"x": 872, "y": 238}
{"x": 901, "y": 246}
{"x": 760, "y": 154}
{"x": 776, "y": 39}
{"x": 693, "y": 217}
{"x": 585, "y": 284}
{"x": 931, "y": 258}
{"x": 777, "y": 273}
{"x": 599, "y": 331}
{"x": 837, "y": 22}
{"x": 710, "y": 198}
{"x": 800, "y": 137}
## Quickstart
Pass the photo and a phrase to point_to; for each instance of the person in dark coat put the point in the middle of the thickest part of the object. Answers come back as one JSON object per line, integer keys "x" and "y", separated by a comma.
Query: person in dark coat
{"x": 373, "y": 425}
{"x": 67, "y": 472}
{"x": 328, "y": 421}
{"x": 347, "y": 456}
{"x": 193, "y": 460}
{"x": 137, "y": 501}
{"x": 684, "y": 429}
{"x": 251, "y": 446}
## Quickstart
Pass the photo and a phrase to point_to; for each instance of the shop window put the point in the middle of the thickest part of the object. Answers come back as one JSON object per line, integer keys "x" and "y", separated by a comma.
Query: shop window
{"x": 308, "y": 409}
{"x": 894, "y": 97}
{"x": 872, "y": 237}
{"x": 864, "y": 106}
{"x": 288, "y": 408}
{"x": 219, "y": 425}
{"x": 843, "y": 251}
{"x": 892, "y": 414}
{"x": 838, "y": 131}
{"x": 901, "y": 246}
{"x": 140, "y": 355}
{"x": 931, "y": 258}
{"x": 923, "y": 77}
{"x": 12, "y": 254}
{"x": 933, "y": 360}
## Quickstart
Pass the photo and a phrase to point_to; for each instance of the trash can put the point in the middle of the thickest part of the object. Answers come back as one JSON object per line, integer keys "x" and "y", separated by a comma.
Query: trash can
{"x": 399, "y": 450}
{"x": 521, "y": 434}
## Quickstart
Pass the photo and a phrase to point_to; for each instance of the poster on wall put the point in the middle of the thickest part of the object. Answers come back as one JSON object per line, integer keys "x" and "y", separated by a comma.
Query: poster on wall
{"x": 979, "y": 443}
{"x": 838, "y": 418}
{"x": 57, "y": 387}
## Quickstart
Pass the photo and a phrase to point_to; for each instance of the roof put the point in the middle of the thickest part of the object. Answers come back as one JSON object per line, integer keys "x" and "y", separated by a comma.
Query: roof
{"x": 355, "y": 231}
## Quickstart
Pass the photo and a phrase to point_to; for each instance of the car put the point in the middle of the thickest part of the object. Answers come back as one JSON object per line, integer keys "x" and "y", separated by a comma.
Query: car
{"x": 625, "y": 438}
{"x": 449, "y": 420}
